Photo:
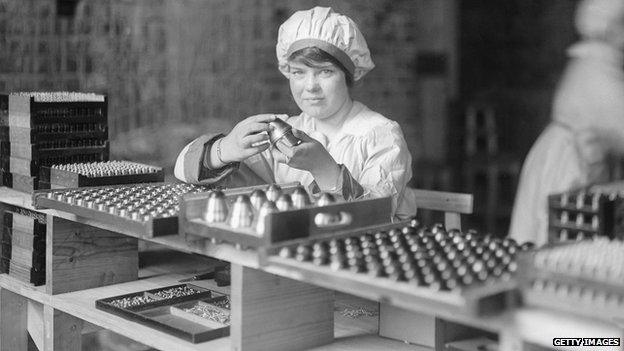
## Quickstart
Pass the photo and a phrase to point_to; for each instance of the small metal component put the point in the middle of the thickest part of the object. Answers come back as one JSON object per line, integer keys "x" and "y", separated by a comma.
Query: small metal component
{"x": 216, "y": 209}
{"x": 284, "y": 202}
{"x": 273, "y": 192}
{"x": 325, "y": 199}
{"x": 280, "y": 131}
{"x": 242, "y": 212}
{"x": 257, "y": 198}
{"x": 267, "y": 208}
{"x": 300, "y": 198}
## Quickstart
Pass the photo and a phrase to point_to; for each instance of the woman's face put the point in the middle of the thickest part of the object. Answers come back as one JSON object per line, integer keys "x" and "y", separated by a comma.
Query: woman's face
{"x": 319, "y": 91}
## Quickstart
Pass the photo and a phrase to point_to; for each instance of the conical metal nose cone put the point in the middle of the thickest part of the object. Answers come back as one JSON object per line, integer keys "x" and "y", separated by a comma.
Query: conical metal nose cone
{"x": 258, "y": 197}
{"x": 325, "y": 199}
{"x": 267, "y": 208}
{"x": 242, "y": 212}
{"x": 300, "y": 198}
{"x": 216, "y": 210}
{"x": 284, "y": 202}
{"x": 280, "y": 130}
{"x": 273, "y": 192}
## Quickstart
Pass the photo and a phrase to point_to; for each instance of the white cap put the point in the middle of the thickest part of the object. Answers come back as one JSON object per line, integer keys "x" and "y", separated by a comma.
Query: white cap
{"x": 600, "y": 19}
{"x": 329, "y": 31}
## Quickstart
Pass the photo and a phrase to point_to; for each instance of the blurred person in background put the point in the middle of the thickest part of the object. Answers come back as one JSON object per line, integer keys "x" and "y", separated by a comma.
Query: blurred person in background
{"x": 346, "y": 148}
{"x": 587, "y": 120}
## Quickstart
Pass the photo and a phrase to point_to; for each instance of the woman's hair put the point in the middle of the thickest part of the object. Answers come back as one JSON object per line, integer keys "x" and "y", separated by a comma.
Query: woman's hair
{"x": 313, "y": 57}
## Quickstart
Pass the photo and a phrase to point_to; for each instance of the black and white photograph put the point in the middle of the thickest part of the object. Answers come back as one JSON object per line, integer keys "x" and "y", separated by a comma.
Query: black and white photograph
{"x": 325, "y": 175}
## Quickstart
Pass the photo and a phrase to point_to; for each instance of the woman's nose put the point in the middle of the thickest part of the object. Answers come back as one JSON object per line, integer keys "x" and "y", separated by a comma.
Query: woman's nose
{"x": 311, "y": 82}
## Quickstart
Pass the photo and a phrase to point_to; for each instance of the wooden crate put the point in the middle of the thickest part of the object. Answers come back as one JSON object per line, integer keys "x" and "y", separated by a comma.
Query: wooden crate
{"x": 167, "y": 224}
{"x": 282, "y": 225}
{"x": 478, "y": 298}
{"x": 59, "y": 178}
{"x": 571, "y": 287}
{"x": 594, "y": 211}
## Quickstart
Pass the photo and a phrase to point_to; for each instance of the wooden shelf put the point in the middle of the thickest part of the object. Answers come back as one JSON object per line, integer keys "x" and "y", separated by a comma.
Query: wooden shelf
{"x": 81, "y": 304}
{"x": 537, "y": 326}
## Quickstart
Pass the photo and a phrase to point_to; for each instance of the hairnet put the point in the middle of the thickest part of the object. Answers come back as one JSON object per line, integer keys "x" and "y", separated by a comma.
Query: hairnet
{"x": 595, "y": 19}
{"x": 329, "y": 31}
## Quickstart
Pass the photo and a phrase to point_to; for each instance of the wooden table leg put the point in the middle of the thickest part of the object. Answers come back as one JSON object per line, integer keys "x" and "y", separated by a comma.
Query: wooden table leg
{"x": 275, "y": 313}
{"x": 80, "y": 256}
{"x": 62, "y": 331}
{"x": 13, "y": 321}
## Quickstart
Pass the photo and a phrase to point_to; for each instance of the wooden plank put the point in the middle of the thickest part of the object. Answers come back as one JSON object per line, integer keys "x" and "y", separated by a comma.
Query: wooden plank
{"x": 81, "y": 257}
{"x": 19, "y": 111}
{"x": 25, "y": 223}
{"x": 444, "y": 201}
{"x": 300, "y": 314}
{"x": 35, "y": 323}
{"x": 13, "y": 319}
{"x": 62, "y": 331}
{"x": 408, "y": 326}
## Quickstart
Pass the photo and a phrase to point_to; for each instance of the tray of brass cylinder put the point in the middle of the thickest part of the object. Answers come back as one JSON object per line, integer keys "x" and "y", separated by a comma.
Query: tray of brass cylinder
{"x": 409, "y": 265}
{"x": 584, "y": 278}
{"x": 149, "y": 209}
{"x": 263, "y": 216}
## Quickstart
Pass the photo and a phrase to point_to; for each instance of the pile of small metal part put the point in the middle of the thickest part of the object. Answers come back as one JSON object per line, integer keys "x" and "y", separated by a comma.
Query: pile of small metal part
{"x": 106, "y": 168}
{"x": 132, "y": 301}
{"x": 210, "y": 312}
{"x": 62, "y": 96}
{"x": 137, "y": 202}
{"x": 415, "y": 254}
{"x": 176, "y": 292}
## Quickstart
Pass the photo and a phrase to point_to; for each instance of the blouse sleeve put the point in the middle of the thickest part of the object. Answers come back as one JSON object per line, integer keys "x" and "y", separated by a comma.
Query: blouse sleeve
{"x": 190, "y": 167}
{"x": 388, "y": 166}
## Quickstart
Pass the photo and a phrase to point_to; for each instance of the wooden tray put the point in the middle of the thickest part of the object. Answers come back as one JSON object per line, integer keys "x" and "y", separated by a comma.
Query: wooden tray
{"x": 170, "y": 315}
{"x": 474, "y": 300}
{"x": 156, "y": 226}
{"x": 556, "y": 291}
{"x": 60, "y": 179}
{"x": 280, "y": 226}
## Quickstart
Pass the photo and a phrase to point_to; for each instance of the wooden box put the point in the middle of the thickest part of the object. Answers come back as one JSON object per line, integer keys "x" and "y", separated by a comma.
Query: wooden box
{"x": 588, "y": 284}
{"x": 173, "y": 315}
{"x": 391, "y": 282}
{"x": 282, "y": 225}
{"x": 122, "y": 217}
{"x": 587, "y": 212}
{"x": 60, "y": 178}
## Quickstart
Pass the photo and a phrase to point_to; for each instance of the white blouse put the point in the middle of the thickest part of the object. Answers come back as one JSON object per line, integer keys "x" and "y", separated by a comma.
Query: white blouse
{"x": 370, "y": 146}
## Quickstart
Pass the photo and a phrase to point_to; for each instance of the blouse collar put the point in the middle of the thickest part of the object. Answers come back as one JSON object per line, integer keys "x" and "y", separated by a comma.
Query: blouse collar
{"x": 597, "y": 50}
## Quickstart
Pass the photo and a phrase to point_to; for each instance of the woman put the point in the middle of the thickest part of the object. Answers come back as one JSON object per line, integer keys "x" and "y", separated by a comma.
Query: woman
{"x": 588, "y": 120}
{"x": 346, "y": 148}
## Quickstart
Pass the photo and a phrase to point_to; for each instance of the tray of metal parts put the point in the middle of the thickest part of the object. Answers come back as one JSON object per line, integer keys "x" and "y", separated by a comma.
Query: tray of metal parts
{"x": 261, "y": 216}
{"x": 587, "y": 212}
{"x": 186, "y": 311}
{"x": 410, "y": 265}
{"x": 585, "y": 278}
{"x": 148, "y": 209}
{"x": 100, "y": 173}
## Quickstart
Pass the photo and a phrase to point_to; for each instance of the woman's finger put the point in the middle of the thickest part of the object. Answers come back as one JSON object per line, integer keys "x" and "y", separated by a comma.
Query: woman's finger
{"x": 255, "y": 139}
{"x": 263, "y": 118}
{"x": 256, "y": 127}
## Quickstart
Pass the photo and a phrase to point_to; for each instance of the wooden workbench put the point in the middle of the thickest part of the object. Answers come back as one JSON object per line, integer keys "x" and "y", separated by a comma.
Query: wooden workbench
{"x": 57, "y": 313}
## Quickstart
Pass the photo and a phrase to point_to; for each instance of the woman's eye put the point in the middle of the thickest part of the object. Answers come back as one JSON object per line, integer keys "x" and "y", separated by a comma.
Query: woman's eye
{"x": 327, "y": 72}
{"x": 296, "y": 73}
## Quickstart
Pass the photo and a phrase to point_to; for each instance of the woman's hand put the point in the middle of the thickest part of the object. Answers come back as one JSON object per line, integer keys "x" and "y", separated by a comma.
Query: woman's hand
{"x": 246, "y": 139}
{"x": 310, "y": 156}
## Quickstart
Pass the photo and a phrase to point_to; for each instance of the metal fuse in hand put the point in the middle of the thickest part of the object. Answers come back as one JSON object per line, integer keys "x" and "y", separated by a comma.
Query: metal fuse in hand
{"x": 282, "y": 131}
